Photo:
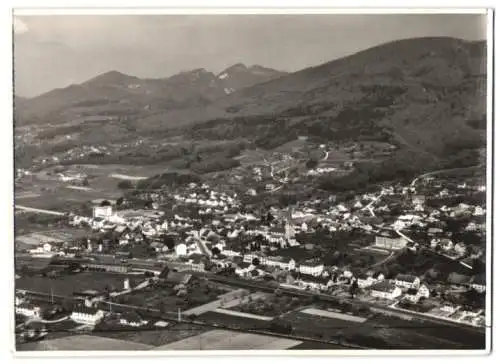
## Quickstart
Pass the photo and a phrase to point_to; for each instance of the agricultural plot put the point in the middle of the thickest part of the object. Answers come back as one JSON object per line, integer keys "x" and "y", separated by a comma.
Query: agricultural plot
{"x": 68, "y": 284}
{"x": 82, "y": 342}
{"x": 231, "y": 321}
{"x": 169, "y": 299}
{"x": 228, "y": 340}
{"x": 393, "y": 332}
{"x": 269, "y": 305}
{"x": 154, "y": 336}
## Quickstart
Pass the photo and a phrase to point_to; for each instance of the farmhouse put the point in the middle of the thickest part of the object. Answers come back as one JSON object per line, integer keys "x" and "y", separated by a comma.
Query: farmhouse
{"x": 385, "y": 290}
{"x": 281, "y": 262}
{"x": 27, "y": 309}
{"x": 407, "y": 281}
{"x": 311, "y": 267}
{"x": 132, "y": 319}
{"x": 87, "y": 315}
{"x": 365, "y": 280}
{"x": 479, "y": 283}
{"x": 390, "y": 241}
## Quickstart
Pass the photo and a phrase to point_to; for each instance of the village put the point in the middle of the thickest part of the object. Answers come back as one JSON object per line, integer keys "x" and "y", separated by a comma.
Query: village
{"x": 414, "y": 250}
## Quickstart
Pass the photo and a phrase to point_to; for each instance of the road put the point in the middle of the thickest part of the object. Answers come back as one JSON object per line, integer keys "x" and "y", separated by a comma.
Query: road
{"x": 433, "y": 173}
{"x": 41, "y": 211}
{"x": 385, "y": 260}
{"x": 327, "y": 153}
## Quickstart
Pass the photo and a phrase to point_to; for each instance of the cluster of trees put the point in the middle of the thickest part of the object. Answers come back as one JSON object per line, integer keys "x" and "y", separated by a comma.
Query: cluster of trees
{"x": 403, "y": 166}
{"x": 214, "y": 164}
{"x": 167, "y": 179}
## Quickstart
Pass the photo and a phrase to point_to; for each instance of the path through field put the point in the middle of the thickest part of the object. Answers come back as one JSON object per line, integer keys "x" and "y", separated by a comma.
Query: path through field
{"x": 41, "y": 211}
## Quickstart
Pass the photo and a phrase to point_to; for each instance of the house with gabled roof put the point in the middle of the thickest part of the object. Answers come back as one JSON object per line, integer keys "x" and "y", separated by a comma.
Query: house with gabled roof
{"x": 385, "y": 290}
{"x": 407, "y": 281}
{"x": 132, "y": 319}
{"x": 87, "y": 315}
{"x": 478, "y": 282}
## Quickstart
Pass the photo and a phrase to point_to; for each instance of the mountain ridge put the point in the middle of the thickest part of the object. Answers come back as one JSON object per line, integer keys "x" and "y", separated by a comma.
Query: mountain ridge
{"x": 117, "y": 92}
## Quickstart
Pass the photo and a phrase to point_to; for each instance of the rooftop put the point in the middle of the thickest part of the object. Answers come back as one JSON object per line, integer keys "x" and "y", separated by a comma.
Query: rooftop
{"x": 406, "y": 278}
{"x": 383, "y": 287}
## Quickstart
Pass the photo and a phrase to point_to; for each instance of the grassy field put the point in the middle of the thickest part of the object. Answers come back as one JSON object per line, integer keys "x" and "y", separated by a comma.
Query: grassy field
{"x": 231, "y": 321}
{"x": 165, "y": 297}
{"x": 47, "y": 192}
{"x": 270, "y": 305}
{"x": 157, "y": 336}
{"x": 66, "y": 285}
{"x": 228, "y": 340}
{"x": 420, "y": 335}
{"x": 317, "y": 326}
{"x": 82, "y": 342}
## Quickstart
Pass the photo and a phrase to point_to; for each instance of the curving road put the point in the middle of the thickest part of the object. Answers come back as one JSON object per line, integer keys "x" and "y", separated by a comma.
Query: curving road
{"x": 433, "y": 173}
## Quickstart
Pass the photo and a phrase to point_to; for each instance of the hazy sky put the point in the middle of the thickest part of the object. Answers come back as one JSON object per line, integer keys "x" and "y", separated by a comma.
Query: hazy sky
{"x": 55, "y": 51}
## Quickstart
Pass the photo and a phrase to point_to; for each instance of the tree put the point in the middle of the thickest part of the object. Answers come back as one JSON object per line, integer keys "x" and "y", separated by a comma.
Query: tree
{"x": 311, "y": 163}
{"x": 105, "y": 203}
{"x": 168, "y": 241}
{"x": 353, "y": 288}
{"x": 215, "y": 251}
{"x": 255, "y": 261}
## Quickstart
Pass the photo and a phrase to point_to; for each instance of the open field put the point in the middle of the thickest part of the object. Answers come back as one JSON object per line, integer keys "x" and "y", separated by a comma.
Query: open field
{"x": 166, "y": 298}
{"x": 269, "y": 305}
{"x": 56, "y": 235}
{"x": 318, "y": 327}
{"x": 154, "y": 337}
{"x": 48, "y": 192}
{"x": 413, "y": 334}
{"x": 229, "y": 340}
{"x": 231, "y": 321}
{"x": 66, "y": 285}
{"x": 82, "y": 342}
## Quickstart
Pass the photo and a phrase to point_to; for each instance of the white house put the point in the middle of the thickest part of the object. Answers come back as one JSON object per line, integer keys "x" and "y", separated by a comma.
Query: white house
{"x": 87, "y": 315}
{"x": 478, "y": 211}
{"x": 244, "y": 269}
{"x": 27, "y": 309}
{"x": 313, "y": 268}
{"x": 479, "y": 283}
{"x": 280, "y": 262}
{"x": 424, "y": 291}
{"x": 450, "y": 309}
{"x": 230, "y": 253}
{"x": 181, "y": 249}
{"x": 391, "y": 243}
{"x": 414, "y": 295}
{"x": 385, "y": 290}
{"x": 460, "y": 248}
{"x": 365, "y": 281}
{"x": 407, "y": 281}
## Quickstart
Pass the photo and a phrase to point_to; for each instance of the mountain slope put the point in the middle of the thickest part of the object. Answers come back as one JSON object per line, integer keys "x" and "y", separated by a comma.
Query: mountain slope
{"x": 239, "y": 76}
{"x": 426, "y": 92}
{"x": 114, "y": 93}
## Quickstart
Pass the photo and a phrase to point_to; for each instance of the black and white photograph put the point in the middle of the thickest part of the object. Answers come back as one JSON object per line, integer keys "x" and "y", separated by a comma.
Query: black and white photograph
{"x": 251, "y": 182}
